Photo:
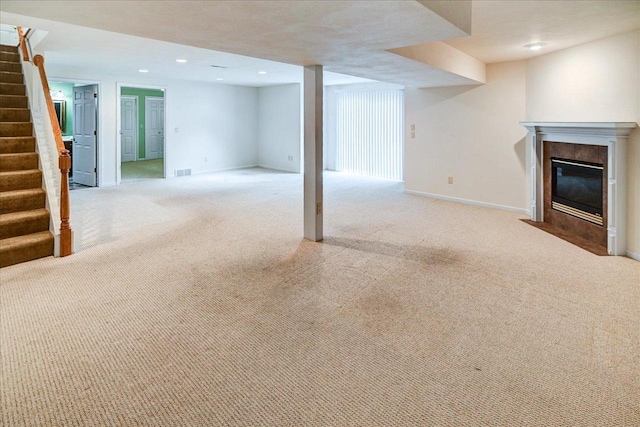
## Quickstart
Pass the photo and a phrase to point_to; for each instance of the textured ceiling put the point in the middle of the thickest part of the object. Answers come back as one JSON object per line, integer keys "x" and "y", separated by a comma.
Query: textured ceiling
{"x": 501, "y": 28}
{"x": 349, "y": 37}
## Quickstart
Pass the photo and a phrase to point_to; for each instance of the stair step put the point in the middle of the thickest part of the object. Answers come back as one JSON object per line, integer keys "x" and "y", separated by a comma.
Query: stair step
{"x": 14, "y": 67}
{"x": 12, "y": 89}
{"x": 8, "y": 129}
{"x": 22, "y": 223}
{"x": 25, "y": 248}
{"x": 15, "y": 115}
{"x": 18, "y": 161}
{"x": 22, "y": 200}
{"x": 7, "y": 48}
{"x": 9, "y": 77}
{"x": 17, "y": 144}
{"x": 14, "y": 101}
{"x": 20, "y": 180}
{"x": 9, "y": 56}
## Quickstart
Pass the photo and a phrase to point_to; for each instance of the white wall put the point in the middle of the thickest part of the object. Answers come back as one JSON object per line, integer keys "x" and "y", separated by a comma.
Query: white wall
{"x": 217, "y": 126}
{"x": 279, "y": 127}
{"x": 219, "y": 122}
{"x": 470, "y": 133}
{"x": 594, "y": 82}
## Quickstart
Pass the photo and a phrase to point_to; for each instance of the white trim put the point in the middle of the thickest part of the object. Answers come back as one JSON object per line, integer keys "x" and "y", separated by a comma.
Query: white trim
{"x": 633, "y": 255}
{"x": 277, "y": 169}
{"x": 468, "y": 202}
{"x": 233, "y": 168}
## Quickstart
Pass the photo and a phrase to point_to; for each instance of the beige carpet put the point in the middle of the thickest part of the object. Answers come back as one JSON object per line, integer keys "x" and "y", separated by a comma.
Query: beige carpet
{"x": 195, "y": 302}
{"x": 141, "y": 170}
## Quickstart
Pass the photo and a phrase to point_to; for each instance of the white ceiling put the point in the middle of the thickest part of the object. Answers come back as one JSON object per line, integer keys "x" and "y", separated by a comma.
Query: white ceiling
{"x": 501, "y": 28}
{"x": 349, "y": 37}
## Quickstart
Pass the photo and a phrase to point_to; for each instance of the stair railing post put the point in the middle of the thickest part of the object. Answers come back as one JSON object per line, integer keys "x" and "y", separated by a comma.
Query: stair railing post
{"x": 64, "y": 163}
{"x": 23, "y": 44}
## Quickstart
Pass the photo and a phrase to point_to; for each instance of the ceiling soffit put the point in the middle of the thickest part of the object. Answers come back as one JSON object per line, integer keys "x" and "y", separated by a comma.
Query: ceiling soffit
{"x": 349, "y": 37}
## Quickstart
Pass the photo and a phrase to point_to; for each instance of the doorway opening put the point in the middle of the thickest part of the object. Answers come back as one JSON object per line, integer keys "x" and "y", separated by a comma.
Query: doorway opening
{"x": 76, "y": 105}
{"x": 142, "y": 133}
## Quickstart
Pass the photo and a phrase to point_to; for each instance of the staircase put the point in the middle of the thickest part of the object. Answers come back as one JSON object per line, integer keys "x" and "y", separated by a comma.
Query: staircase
{"x": 24, "y": 221}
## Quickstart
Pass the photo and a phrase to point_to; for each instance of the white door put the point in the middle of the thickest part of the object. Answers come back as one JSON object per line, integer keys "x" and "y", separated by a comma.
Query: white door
{"x": 129, "y": 127}
{"x": 85, "y": 134}
{"x": 154, "y": 128}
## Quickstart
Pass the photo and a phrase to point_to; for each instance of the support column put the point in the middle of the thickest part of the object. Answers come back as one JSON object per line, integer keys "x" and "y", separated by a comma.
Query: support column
{"x": 313, "y": 152}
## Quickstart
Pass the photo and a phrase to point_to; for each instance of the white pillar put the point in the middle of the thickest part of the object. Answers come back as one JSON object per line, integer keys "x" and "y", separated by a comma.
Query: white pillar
{"x": 313, "y": 152}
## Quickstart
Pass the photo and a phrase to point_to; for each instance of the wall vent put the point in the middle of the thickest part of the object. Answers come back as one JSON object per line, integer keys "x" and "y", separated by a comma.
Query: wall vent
{"x": 183, "y": 172}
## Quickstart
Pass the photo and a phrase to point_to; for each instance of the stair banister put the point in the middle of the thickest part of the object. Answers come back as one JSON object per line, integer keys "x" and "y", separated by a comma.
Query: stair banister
{"x": 64, "y": 163}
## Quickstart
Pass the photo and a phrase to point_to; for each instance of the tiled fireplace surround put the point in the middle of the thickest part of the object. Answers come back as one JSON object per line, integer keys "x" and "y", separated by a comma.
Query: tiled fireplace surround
{"x": 600, "y": 143}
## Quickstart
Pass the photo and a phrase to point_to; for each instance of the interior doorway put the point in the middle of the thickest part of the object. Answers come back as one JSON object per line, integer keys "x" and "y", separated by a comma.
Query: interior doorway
{"x": 77, "y": 105}
{"x": 142, "y": 133}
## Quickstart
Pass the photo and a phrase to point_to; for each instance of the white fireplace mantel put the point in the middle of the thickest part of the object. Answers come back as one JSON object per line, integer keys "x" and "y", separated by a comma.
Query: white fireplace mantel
{"x": 612, "y": 135}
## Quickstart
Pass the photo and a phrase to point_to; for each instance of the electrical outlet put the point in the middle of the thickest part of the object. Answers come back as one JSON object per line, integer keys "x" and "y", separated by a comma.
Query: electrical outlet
{"x": 413, "y": 128}
{"x": 290, "y": 158}
{"x": 450, "y": 180}
{"x": 205, "y": 159}
{"x": 413, "y": 135}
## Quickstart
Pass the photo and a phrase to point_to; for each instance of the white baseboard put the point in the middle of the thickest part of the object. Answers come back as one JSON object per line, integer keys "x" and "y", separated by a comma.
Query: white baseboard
{"x": 277, "y": 169}
{"x": 633, "y": 255}
{"x": 233, "y": 168}
{"x": 107, "y": 184}
{"x": 470, "y": 202}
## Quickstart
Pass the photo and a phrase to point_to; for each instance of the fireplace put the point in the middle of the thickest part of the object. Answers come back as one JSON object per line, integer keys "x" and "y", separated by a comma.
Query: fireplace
{"x": 576, "y": 189}
{"x": 584, "y": 147}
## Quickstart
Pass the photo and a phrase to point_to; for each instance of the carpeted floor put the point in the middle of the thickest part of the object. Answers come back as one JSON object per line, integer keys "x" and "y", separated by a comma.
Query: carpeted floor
{"x": 195, "y": 302}
{"x": 141, "y": 170}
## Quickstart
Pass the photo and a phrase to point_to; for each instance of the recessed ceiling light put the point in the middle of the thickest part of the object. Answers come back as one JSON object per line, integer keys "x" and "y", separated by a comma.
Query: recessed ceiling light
{"x": 182, "y": 61}
{"x": 143, "y": 71}
{"x": 534, "y": 46}
{"x": 219, "y": 79}
{"x": 262, "y": 72}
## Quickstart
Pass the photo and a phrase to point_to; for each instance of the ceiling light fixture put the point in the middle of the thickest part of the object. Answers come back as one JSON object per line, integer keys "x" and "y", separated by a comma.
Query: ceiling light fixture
{"x": 143, "y": 71}
{"x": 534, "y": 46}
{"x": 182, "y": 61}
{"x": 219, "y": 78}
{"x": 262, "y": 72}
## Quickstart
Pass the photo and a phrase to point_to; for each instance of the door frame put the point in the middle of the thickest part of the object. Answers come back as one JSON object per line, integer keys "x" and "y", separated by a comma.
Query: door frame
{"x": 99, "y": 156}
{"x": 119, "y": 86}
{"x": 135, "y": 98}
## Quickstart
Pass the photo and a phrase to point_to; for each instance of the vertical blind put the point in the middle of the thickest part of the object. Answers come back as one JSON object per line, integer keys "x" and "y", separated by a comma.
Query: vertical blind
{"x": 369, "y": 129}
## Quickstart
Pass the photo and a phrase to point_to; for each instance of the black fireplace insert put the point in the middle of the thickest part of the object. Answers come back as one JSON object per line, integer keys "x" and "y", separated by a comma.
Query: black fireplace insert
{"x": 577, "y": 188}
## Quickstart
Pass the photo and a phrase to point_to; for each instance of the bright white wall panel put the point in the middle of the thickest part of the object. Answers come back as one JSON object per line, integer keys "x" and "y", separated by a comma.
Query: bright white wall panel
{"x": 279, "y": 127}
